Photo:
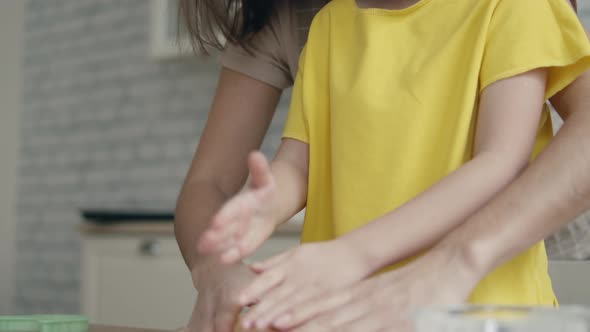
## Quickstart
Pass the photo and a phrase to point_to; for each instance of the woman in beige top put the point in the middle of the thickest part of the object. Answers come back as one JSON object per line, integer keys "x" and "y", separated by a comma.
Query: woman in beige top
{"x": 259, "y": 62}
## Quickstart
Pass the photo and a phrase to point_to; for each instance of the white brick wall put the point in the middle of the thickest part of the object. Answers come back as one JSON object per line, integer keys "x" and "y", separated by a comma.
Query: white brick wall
{"x": 103, "y": 125}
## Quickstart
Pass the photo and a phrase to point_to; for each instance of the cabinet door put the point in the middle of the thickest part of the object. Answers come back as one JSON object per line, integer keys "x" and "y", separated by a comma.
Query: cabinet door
{"x": 134, "y": 281}
{"x": 143, "y": 282}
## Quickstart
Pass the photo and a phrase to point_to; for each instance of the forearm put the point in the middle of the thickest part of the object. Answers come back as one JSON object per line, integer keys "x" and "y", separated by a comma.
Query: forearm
{"x": 240, "y": 115}
{"x": 423, "y": 221}
{"x": 551, "y": 192}
{"x": 507, "y": 122}
{"x": 289, "y": 170}
{"x": 291, "y": 190}
{"x": 199, "y": 200}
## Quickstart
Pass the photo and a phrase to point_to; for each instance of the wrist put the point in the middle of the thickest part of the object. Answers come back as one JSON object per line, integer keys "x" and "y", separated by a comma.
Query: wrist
{"x": 371, "y": 253}
{"x": 207, "y": 268}
{"x": 198, "y": 269}
{"x": 276, "y": 213}
{"x": 468, "y": 257}
{"x": 356, "y": 255}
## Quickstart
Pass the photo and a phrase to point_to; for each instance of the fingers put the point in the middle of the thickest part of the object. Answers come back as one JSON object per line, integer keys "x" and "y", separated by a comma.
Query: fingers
{"x": 260, "y": 173}
{"x": 340, "y": 316}
{"x": 251, "y": 239}
{"x": 276, "y": 295}
{"x": 281, "y": 314}
{"x": 231, "y": 256}
{"x": 306, "y": 310}
{"x": 218, "y": 240}
{"x": 279, "y": 311}
{"x": 267, "y": 264}
{"x": 239, "y": 207}
{"x": 261, "y": 285}
{"x": 229, "y": 224}
{"x": 262, "y": 314}
{"x": 230, "y": 232}
{"x": 246, "y": 243}
{"x": 367, "y": 307}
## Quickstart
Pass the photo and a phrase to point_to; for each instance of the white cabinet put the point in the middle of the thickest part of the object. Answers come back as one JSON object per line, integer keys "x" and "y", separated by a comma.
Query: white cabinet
{"x": 131, "y": 279}
{"x": 135, "y": 281}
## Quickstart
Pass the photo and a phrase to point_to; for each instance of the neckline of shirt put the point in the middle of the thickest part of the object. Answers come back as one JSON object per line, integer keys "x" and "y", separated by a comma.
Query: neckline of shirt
{"x": 394, "y": 12}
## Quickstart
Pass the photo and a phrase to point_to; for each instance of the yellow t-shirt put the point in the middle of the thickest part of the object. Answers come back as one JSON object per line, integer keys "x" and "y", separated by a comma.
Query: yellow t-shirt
{"x": 387, "y": 101}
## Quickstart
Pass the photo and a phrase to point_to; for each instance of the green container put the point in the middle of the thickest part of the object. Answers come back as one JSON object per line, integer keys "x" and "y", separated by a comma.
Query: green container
{"x": 68, "y": 323}
{"x": 19, "y": 324}
{"x": 44, "y": 323}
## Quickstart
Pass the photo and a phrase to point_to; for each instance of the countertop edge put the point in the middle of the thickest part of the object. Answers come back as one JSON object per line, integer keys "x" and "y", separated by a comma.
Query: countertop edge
{"x": 291, "y": 228}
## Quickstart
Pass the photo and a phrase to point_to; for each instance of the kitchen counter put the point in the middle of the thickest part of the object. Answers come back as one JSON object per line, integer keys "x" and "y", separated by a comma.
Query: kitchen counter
{"x": 104, "y": 328}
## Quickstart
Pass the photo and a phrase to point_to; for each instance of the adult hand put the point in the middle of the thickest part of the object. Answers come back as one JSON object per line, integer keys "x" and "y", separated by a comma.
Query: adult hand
{"x": 298, "y": 276}
{"x": 388, "y": 301}
{"x": 217, "y": 308}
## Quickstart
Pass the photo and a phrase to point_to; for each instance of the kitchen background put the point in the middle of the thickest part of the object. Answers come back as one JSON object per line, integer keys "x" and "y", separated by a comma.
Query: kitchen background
{"x": 100, "y": 111}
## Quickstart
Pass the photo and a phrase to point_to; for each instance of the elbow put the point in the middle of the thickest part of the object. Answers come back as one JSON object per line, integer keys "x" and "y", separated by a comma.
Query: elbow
{"x": 202, "y": 186}
{"x": 581, "y": 157}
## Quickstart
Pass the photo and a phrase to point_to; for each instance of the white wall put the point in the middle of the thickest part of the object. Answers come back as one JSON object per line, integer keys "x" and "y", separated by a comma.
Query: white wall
{"x": 11, "y": 45}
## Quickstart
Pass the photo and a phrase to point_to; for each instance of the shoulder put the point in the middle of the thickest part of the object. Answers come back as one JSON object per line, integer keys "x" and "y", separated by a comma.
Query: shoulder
{"x": 523, "y": 7}
{"x": 324, "y": 15}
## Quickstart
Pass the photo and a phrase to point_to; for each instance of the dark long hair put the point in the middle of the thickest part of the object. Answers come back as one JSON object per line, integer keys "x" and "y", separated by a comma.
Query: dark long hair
{"x": 211, "y": 22}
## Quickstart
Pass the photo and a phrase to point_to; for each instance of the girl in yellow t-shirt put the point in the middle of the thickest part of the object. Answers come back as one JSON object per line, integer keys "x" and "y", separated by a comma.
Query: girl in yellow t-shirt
{"x": 404, "y": 121}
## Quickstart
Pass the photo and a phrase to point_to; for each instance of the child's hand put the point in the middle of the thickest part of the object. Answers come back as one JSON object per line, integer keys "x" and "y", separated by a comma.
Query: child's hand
{"x": 389, "y": 301}
{"x": 297, "y": 276}
{"x": 246, "y": 220}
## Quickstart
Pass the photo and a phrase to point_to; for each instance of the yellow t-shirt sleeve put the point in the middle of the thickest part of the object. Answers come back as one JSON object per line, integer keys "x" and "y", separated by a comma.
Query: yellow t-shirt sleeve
{"x": 296, "y": 126}
{"x": 529, "y": 34}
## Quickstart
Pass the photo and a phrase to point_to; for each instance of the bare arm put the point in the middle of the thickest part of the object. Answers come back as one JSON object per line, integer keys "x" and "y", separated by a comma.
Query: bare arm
{"x": 551, "y": 192}
{"x": 290, "y": 169}
{"x": 239, "y": 118}
{"x": 508, "y": 119}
